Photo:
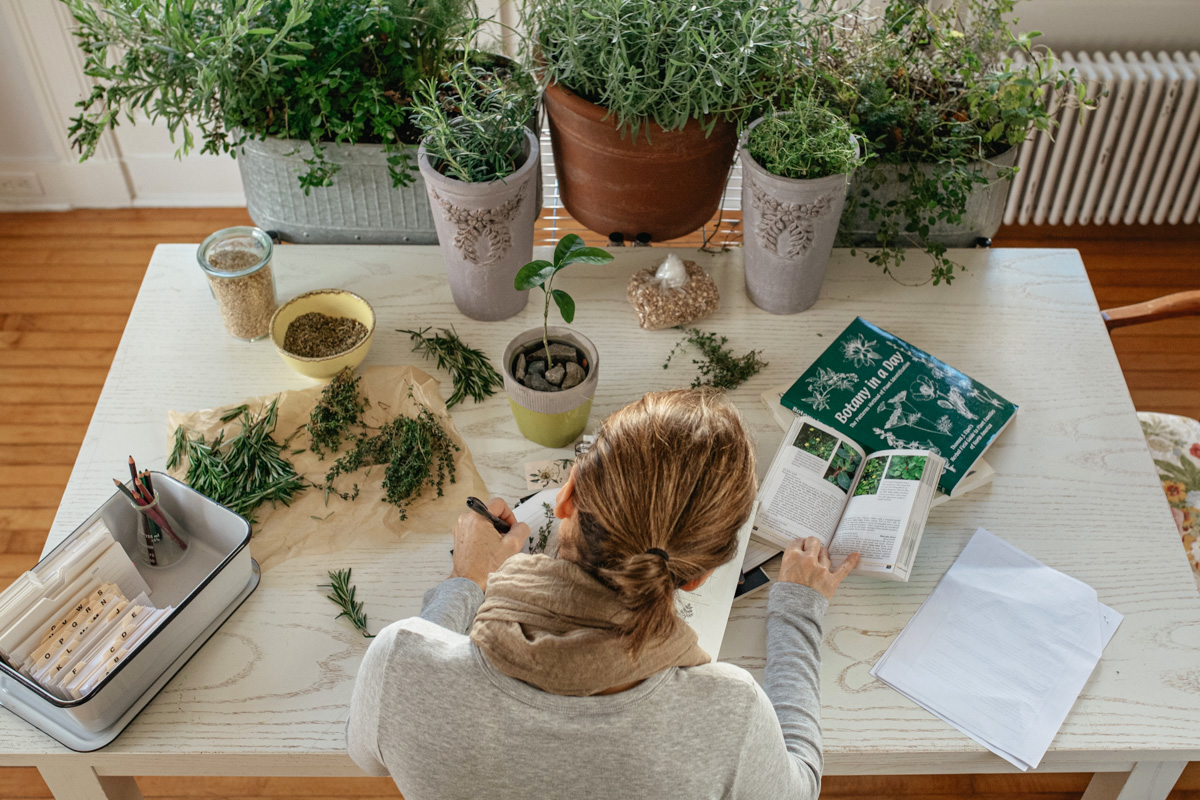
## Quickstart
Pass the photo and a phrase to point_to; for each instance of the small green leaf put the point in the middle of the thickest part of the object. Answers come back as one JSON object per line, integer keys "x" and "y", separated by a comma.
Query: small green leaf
{"x": 535, "y": 273}
{"x": 566, "y": 305}
{"x": 565, "y": 245}
{"x": 587, "y": 255}
{"x": 262, "y": 31}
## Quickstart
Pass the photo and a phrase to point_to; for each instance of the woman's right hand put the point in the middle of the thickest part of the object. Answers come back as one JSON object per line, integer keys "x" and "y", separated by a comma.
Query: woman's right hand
{"x": 806, "y": 562}
{"x": 478, "y": 549}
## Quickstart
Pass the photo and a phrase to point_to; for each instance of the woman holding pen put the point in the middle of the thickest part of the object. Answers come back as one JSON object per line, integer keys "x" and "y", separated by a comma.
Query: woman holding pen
{"x": 539, "y": 677}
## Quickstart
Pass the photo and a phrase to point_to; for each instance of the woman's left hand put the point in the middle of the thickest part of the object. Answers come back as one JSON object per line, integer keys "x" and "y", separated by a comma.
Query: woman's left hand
{"x": 479, "y": 549}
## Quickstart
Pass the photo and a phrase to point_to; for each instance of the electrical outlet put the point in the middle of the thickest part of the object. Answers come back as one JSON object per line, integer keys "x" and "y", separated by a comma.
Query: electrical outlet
{"x": 20, "y": 184}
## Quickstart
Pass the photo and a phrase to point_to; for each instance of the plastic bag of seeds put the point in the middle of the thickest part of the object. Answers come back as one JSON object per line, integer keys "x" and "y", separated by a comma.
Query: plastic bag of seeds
{"x": 674, "y": 294}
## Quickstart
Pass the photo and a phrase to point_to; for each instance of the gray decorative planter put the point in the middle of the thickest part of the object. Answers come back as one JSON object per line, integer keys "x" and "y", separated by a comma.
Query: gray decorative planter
{"x": 486, "y": 231}
{"x": 789, "y": 226}
{"x": 985, "y": 206}
{"x": 361, "y": 207}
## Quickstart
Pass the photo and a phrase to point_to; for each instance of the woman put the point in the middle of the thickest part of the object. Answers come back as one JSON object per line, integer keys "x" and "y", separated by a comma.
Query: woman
{"x": 539, "y": 677}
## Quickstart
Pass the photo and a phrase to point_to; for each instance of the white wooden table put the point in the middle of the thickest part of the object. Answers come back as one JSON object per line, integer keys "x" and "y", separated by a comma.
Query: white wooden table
{"x": 1075, "y": 488}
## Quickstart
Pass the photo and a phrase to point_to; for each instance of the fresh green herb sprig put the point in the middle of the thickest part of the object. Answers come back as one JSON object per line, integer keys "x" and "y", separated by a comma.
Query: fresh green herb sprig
{"x": 543, "y": 532}
{"x": 804, "y": 141}
{"x": 243, "y": 471}
{"x": 718, "y": 366}
{"x": 343, "y": 597}
{"x": 341, "y": 407}
{"x": 470, "y": 369}
{"x": 418, "y": 453}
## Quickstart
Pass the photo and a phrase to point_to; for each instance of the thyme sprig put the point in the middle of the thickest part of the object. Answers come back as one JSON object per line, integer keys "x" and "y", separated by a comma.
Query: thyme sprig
{"x": 470, "y": 369}
{"x": 341, "y": 407}
{"x": 342, "y": 595}
{"x": 718, "y": 366}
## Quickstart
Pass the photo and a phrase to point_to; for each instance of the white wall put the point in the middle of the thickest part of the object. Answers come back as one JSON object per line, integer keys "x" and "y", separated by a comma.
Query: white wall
{"x": 41, "y": 79}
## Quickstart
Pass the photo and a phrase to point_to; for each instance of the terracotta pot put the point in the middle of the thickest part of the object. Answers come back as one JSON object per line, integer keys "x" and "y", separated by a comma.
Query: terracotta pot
{"x": 667, "y": 186}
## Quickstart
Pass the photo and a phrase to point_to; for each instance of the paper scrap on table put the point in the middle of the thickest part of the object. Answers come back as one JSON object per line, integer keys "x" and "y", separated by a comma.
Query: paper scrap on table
{"x": 547, "y": 474}
{"x": 1001, "y": 649}
{"x": 310, "y": 526}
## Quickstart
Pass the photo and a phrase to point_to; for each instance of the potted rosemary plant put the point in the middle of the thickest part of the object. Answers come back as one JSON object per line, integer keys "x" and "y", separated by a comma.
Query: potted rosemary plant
{"x": 644, "y": 98}
{"x": 551, "y": 372}
{"x": 796, "y": 167}
{"x": 482, "y": 167}
{"x": 942, "y": 107}
{"x": 313, "y": 97}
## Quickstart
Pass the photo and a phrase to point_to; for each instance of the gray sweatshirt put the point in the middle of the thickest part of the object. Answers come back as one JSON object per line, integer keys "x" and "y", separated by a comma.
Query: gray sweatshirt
{"x": 431, "y": 711}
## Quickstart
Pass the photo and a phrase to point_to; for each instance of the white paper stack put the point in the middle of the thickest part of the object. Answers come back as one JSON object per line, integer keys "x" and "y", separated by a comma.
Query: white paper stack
{"x": 1001, "y": 649}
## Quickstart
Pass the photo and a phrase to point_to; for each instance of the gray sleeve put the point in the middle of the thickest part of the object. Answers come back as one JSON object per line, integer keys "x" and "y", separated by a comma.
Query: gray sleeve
{"x": 784, "y": 759}
{"x": 362, "y": 726}
{"x": 452, "y": 604}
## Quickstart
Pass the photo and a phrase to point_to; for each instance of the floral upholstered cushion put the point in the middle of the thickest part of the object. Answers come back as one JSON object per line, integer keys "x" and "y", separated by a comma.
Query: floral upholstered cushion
{"x": 1175, "y": 445}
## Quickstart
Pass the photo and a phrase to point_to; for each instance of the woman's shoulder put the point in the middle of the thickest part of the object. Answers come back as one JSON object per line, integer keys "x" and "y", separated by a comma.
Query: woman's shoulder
{"x": 716, "y": 683}
{"x": 412, "y": 641}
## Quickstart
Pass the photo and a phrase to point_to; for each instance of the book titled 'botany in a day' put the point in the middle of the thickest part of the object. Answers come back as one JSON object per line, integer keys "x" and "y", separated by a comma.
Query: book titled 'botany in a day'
{"x": 880, "y": 391}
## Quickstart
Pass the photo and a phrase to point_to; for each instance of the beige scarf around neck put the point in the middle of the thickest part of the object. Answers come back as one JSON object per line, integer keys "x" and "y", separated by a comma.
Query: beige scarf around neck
{"x": 547, "y": 622}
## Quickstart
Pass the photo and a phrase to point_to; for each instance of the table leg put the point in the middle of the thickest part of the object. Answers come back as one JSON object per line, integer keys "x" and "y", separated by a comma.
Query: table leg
{"x": 1149, "y": 780}
{"x": 70, "y": 782}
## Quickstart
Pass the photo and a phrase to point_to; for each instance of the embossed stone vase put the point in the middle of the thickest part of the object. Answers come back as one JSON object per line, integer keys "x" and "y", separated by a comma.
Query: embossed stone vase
{"x": 788, "y": 230}
{"x": 486, "y": 233}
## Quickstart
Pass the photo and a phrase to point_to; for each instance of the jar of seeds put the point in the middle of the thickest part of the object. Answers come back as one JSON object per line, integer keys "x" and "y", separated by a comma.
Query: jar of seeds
{"x": 237, "y": 262}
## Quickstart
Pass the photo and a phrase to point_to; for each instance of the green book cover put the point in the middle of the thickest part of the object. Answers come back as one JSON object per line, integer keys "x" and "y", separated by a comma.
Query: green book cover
{"x": 880, "y": 391}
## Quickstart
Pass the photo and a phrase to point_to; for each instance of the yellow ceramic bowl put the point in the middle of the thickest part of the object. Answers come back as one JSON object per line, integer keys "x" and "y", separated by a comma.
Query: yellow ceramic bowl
{"x": 335, "y": 303}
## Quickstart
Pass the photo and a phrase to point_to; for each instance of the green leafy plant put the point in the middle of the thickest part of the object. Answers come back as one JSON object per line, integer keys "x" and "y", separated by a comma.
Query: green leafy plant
{"x": 718, "y": 366}
{"x": 664, "y": 61}
{"x": 474, "y": 121}
{"x": 243, "y": 471}
{"x": 815, "y": 441}
{"x": 804, "y": 141}
{"x": 342, "y": 595}
{"x": 470, "y": 370}
{"x": 538, "y": 540}
{"x": 872, "y": 474}
{"x": 321, "y": 71}
{"x": 340, "y": 408}
{"x": 540, "y": 274}
{"x": 840, "y": 471}
{"x": 936, "y": 95}
{"x": 906, "y": 468}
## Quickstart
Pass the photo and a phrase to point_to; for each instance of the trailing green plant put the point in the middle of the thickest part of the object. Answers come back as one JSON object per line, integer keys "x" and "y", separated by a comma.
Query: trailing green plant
{"x": 664, "y": 61}
{"x": 804, "y": 140}
{"x": 470, "y": 370}
{"x": 540, "y": 274}
{"x": 340, "y": 408}
{"x": 320, "y": 71}
{"x": 342, "y": 595}
{"x": 718, "y": 366}
{"x": 474, "y": 120}
{"x": 243, "y": 471}
{"x": 936, "y": 86}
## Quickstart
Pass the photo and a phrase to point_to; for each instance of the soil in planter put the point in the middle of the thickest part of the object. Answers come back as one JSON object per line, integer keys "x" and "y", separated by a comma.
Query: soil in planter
{"x": 568, "y": 367}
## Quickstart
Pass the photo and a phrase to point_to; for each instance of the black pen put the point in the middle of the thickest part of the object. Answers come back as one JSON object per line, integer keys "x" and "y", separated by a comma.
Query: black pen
{"x": 480, "y": 508}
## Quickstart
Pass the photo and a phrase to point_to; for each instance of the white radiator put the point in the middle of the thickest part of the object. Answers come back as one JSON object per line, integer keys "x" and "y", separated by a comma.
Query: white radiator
{"x": 1135, "y": 159}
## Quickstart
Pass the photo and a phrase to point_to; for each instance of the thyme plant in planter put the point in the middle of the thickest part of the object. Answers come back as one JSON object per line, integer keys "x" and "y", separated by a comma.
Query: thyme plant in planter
{"x": 796, "y": 168}
{"x": 312, "y": 96}
{"x": 644, "y": 98}
{"x": 941, "y": 107}
{"x": 481, "y": 167}
{"x": 550, "y": 373}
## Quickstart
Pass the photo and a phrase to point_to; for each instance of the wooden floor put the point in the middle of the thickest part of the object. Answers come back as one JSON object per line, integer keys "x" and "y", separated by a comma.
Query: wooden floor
{"x": 67, "y": 284}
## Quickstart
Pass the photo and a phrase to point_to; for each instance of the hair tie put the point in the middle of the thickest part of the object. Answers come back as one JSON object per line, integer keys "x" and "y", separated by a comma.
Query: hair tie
{"x": 655, "y": 551}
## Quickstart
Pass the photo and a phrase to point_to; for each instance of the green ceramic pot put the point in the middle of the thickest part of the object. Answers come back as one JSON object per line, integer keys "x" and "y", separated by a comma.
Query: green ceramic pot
{"x": 551, "y": 419}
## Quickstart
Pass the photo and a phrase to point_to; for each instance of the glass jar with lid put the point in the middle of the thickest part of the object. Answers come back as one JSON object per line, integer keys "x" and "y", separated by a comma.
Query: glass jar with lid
{"x": 237, "y": 263}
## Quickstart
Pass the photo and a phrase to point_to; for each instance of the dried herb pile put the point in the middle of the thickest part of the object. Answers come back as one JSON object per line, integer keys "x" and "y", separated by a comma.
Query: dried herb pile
{"x": 717, "y": 364}
{"x": 470, "y": 369}
{"x": 340, "y": 408}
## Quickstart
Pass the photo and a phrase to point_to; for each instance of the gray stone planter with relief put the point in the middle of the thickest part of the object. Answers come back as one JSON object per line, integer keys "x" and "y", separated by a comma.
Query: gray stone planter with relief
{"x": 361, "y": 207}
{"x": 486, "y": 231}
{"x": 788, "y": 231}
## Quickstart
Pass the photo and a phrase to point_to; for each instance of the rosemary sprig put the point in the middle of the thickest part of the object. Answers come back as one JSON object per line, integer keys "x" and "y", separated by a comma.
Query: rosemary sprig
{"x": 341, "y": 406}
{"x": 343, "y": 597}
{"x": 244, "y": 471}
{"x": 718, "y": 366}
{"x": 470, "y": 369}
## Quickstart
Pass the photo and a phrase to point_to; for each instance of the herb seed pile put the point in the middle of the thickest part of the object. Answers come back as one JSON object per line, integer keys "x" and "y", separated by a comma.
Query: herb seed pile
{"x": 659, "y": 308}
{"x": 317, "y": 335}
{"x": 246, "y": 302}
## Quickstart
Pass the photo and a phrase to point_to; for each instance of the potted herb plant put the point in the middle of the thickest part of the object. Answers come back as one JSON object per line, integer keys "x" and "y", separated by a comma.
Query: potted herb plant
{"x": 644, "y": 98}
{"x": 942, "y": 107}
{"x": 481, "y": 167}
{"x": 796, "y": 167}
{"x": 551, "y": 373}
{"x": 313, "y": 97}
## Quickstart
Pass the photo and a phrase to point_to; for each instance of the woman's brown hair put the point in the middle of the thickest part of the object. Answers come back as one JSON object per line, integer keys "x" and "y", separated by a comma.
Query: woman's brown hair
{"x": 661, "y": 495}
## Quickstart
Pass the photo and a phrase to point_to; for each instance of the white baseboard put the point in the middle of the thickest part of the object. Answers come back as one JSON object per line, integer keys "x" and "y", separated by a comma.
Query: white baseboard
{"x": 97, "y": 183}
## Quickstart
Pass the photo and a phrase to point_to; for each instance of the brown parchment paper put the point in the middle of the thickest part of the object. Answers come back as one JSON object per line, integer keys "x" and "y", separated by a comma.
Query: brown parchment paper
{"x": 310, "y": 527}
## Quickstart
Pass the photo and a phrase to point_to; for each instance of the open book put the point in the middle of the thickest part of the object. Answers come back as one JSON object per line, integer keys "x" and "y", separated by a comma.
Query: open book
{"x": 825, "y": 485}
